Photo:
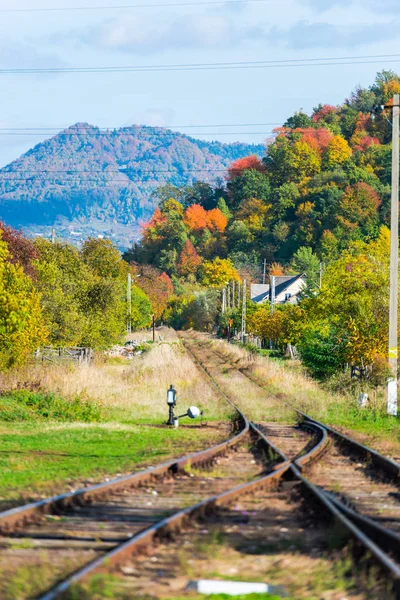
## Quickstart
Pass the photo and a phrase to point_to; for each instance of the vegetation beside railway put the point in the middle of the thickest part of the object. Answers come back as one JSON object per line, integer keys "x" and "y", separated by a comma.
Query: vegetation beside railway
{"x": 72, "y": 425}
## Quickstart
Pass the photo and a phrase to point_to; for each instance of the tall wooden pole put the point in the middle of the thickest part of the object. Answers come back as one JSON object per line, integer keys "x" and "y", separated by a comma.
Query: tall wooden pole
{"x": 394, "y": 262}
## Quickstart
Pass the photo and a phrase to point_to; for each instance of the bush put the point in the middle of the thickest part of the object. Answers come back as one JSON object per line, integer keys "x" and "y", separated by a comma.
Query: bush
{"x": 24, "y": 405}
{"x": 322, "y": 353}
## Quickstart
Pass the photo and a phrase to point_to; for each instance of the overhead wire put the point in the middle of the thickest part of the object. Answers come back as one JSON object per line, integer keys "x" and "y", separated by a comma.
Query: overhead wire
{"x": 266, "y": 64}
{"x": 131, "y": 6}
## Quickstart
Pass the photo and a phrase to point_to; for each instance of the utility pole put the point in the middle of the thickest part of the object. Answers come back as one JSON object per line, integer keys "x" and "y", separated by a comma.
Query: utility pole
{"x": 53, "y": 236}
{"x": 265, "y": 270}
{"x": 243, "y": 335}
{"x": 129, "y": 304}
{"x": 394, "y": 262}
{"x": 223, "y": 300}
{"x": 272, "y": 301}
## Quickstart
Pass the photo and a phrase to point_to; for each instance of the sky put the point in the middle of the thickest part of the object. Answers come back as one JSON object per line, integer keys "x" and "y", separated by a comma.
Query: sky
{"x": 261, "y": 30}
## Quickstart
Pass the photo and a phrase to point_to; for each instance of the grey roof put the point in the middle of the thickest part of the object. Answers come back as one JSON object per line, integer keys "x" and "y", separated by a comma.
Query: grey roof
{"x": 259, "y": 292}
{"x": 284, "y": 281}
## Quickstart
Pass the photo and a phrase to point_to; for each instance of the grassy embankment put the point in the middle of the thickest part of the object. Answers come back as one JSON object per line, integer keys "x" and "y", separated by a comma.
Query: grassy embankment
{"x": 287, "y": 380}
{"x": 62, "y": 427}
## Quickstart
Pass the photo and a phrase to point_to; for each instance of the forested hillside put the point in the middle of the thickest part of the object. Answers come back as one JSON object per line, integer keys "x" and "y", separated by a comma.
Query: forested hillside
{"x": 323, "y": 183}
{"x": 85, "y": 173}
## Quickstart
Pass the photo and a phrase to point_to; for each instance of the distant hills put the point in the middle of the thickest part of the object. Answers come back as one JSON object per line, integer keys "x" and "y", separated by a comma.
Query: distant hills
{"x": 87, "y": 181}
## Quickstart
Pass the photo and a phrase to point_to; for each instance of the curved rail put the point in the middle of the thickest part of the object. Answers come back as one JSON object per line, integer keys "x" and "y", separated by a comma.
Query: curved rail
{"x": 11, "y": 518}
{"x": 172, "y": 523}
{"x": 364, "y": 530}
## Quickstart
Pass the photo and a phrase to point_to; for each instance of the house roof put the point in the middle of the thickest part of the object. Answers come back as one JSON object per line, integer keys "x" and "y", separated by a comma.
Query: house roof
{"x": 259, "y": 292}
{"x": 282, "y": 282}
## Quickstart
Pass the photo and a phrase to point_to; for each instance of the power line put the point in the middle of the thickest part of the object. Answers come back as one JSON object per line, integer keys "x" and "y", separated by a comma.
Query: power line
{"x": 306, "y": 62}
{"x": 111, "y": 134}
{"x": 111, "y": 129}
{"x": 130, "y": 6}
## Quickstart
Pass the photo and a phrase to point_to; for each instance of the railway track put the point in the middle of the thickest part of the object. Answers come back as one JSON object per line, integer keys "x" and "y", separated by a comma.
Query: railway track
{"x": 251, "y": 488}
{"x": 361, "y": 483}
{"x": 71, "y": 537}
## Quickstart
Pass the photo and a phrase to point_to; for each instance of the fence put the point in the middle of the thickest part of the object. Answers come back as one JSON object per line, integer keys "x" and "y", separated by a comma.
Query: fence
{"x": 62, "y": 355}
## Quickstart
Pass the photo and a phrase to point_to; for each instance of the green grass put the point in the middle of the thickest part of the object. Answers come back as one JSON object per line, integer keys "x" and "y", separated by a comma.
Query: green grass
{"x": 107, "y": 586}
{"x": 25, "y": 405}
{"x": 42, "y": 459}
{"x": 372, "y": 421}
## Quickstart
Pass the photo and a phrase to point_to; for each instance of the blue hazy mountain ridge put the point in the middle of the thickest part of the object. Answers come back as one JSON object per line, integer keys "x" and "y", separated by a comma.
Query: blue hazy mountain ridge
{"x": 85, "y": 174}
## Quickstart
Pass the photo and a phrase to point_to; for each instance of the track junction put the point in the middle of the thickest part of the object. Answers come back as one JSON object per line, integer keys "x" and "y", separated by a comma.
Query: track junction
{"x": 268, "y": 478}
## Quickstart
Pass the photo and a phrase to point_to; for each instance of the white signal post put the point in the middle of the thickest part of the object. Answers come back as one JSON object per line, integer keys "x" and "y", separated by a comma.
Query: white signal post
{"x": 394, "y": 263}
{"x": 129, "y": 304}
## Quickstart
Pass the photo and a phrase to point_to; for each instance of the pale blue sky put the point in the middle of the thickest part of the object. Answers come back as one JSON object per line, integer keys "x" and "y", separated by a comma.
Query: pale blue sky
{"x": 271, "y": 30}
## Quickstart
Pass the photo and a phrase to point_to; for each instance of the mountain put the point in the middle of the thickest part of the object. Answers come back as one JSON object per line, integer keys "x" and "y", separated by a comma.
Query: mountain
{"x": 87, "y": 181}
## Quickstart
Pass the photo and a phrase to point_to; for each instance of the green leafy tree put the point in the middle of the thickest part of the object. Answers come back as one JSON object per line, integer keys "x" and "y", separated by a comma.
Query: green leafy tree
{"x": 22, "y": 325}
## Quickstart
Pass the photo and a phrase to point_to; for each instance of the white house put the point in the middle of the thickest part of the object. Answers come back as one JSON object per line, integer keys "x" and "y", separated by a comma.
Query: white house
{"x": 282, "y": 289}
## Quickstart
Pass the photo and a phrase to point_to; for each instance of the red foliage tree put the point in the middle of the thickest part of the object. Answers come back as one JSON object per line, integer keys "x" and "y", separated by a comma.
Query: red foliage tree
{"x": 150, "y": 229}
{"x": 245, "y": 164}
{"x": 195, "y": 217}
{"x": 157, "y": 285}
{"x": 22, "y": 250}
{"x": 188, "y": 261}
{"x": 318, "y": 139}
{"x": 323, "y": 112}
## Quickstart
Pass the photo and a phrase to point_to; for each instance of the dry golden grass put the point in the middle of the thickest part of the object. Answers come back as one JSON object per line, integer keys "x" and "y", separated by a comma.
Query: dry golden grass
{"x": 138, "y": 386}
{"x": 284, "y": 382}
{"x": 224, "y": 364}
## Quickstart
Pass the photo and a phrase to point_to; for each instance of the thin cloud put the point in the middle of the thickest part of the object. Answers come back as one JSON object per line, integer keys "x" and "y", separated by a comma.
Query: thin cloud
{"x": 135, "y": 34}
{"x": 304, "y": 35}
{"x": 16, "y": 55}
{"x": 381, "y": 6}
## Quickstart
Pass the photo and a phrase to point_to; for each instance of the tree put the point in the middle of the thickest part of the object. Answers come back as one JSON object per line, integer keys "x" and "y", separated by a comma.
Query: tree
{"x": 250, "y": 163}
{"x": 21, "y": 251}
{"x": 359, "y": 206}
{"x": 338, "y": 152}
{"x": 299, "y": 119}
{"x": 189, "y": 261}
{"x": 218, "y": 272}
{"x": 157, "y": 286}
{"x": 291, "y": 160}
{"x": 103, "y": 258}
{"x": 216, "y": 220}
{"x": 201, "y": 312}
{"x": 352, "y": 305}
{"x": 196, "y": 217}
{"x": 248, "y": 184}
{"x": 305, "y": 261}
{"x": 22, "y": 326}
{"x": 142, "y": 309}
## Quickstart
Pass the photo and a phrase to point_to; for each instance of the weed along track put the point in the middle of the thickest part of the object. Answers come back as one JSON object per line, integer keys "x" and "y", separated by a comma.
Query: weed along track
{"x": 61, "y": 542}
{"x": 240, "y": 509}
{"x": 354, "y": 483}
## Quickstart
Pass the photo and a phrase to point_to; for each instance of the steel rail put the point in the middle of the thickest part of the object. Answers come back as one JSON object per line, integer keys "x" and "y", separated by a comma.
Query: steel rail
{"x": 13, "y": 517}
{"x": 171, "y": 524}
{"x": 362, "y": 529}
{"x": 174, "y": 522}
{"x": 387, "y": 464}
